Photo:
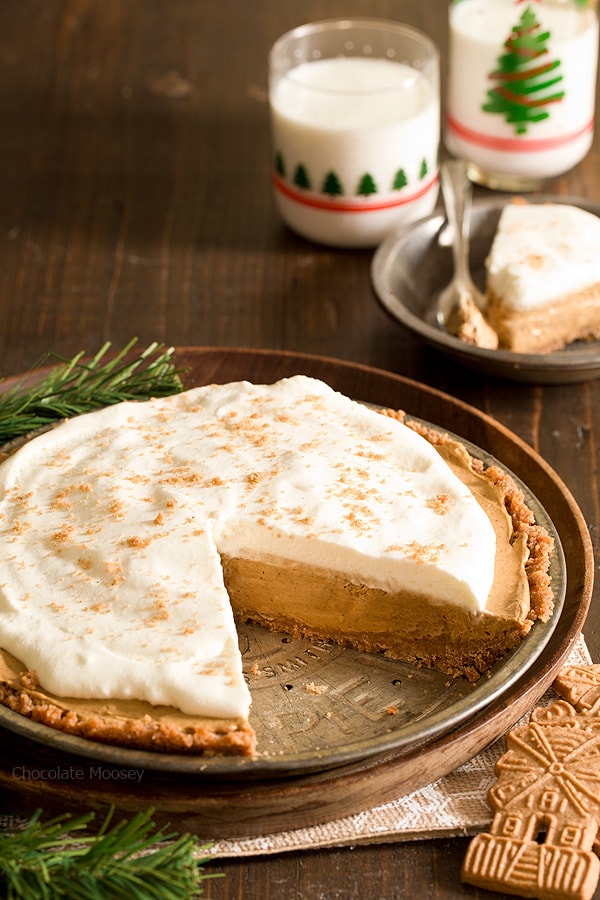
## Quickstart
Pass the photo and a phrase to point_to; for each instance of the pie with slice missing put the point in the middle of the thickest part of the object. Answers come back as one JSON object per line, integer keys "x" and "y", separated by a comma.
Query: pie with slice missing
{"x": 137, "y": 537}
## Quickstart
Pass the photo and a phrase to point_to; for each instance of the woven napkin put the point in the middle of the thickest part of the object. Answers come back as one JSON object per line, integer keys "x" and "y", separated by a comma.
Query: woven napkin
{"x": 453, "y": 806}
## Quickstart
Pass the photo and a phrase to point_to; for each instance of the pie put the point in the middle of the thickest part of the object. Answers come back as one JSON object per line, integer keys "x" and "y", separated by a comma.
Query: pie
{"x": 543, "y": 277}
{"x": 136, "y": 537}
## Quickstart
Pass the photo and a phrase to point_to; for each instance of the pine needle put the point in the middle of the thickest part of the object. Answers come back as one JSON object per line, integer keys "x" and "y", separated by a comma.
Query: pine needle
{"x": 57, "y": 859}
{"x": 81, "y": 385}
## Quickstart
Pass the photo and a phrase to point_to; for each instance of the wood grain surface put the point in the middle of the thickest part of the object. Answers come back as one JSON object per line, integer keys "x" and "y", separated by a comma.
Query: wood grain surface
{"x": 136, "y": 200}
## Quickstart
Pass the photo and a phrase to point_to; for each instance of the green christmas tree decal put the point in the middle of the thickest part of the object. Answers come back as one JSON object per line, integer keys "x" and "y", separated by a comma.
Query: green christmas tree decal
{"x": 400, "y": 180}
{"x": 301, "y": 178}
{"x": 423, "y": 170}
{"x": 366, "y": 186}
{"x": 332, "y": 185}
{"x": 523, "y": 81}
{"x": 280, "y": 164}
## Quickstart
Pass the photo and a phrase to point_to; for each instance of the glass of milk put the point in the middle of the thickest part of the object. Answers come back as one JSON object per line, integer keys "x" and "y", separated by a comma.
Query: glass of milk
{"x": 521, "y": 88}
{"x": 355, "y": 115}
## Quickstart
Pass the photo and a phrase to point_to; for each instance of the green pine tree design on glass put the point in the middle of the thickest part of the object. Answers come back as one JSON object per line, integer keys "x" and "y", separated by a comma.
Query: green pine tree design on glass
{"x": 280, "y": 164}
{"x": 366, "y": 185}
{"x": 524, "y": 84}
{"x": 301, "y": 178}
{"x": 332, "y": 185}
{"x": 424, "y": 170}
{"x": 400, "y": 180}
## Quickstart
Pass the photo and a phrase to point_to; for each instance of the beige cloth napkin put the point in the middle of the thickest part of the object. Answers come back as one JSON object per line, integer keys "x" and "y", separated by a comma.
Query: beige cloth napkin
{"x": 452, "y": 806}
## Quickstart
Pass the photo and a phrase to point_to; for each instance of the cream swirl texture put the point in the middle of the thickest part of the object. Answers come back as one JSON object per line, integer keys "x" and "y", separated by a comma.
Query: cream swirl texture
{"x": 542, "y": 252}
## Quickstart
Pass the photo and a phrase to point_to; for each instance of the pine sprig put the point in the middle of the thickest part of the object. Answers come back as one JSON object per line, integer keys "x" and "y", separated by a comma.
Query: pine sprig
{"x": 81, "y": 385}
{"x": 57, "y": 859}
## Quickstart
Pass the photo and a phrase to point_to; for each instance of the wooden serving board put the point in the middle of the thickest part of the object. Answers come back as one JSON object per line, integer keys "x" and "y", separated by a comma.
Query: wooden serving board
{"x": 34, "y": 774}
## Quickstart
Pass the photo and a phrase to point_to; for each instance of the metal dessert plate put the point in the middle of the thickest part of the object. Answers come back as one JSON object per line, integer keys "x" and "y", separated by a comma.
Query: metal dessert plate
{"x": 317, "y": 706}
{"x": 410, "y": 269}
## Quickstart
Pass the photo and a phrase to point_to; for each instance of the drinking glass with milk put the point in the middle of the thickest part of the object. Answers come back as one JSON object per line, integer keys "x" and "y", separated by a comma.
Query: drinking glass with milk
{"x": 521, "y": 88}
{"x": 355, "y": 118}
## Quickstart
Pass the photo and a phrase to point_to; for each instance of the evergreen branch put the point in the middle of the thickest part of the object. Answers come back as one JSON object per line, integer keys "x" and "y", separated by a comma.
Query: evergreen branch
{"x": 56, "y": 859}
{"x": 79, "y": 386}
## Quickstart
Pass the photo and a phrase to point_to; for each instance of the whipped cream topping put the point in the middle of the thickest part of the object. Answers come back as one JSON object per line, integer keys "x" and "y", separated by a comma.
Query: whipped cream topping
{"x": 113, "y": 523}
{"x": 541, "y": 252}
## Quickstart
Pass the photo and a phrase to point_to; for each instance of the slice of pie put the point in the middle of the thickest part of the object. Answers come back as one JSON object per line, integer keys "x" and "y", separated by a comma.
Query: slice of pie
{"x": 543, "y": 277}
{"x": 135, "y": 537}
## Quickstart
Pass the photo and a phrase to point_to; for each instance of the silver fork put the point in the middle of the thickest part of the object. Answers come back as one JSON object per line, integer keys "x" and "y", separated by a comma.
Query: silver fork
{"x": 457, "y": 193}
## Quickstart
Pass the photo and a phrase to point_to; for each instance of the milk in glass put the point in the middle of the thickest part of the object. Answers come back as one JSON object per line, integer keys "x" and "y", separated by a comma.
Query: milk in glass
{"x": 355, "y": 147}
{"x": 521, "y": 87}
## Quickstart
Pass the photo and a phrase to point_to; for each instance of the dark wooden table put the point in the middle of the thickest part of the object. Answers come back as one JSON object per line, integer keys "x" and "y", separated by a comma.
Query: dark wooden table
{"x": 135, "y": 200}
